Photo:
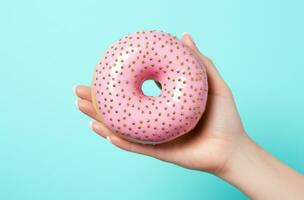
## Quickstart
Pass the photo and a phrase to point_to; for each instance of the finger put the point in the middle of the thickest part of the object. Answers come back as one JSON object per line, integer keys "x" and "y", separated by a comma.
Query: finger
{"x": 87, "y": 108}
{"x": 187, "y": 39}
{"x": 101, "y": 129}
{"x": 145, "y": 149}
{"x": 104, "y": 131}
{"x": 216, "y": 83}
{"x": 83, "y": 92}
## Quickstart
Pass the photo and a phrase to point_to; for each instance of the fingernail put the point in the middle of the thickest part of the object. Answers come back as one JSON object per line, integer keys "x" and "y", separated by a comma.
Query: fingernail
{"x": 76, "y": 103}
{"x": 74, "y": 89}
{"x": 190, "y": 37}
{"x": 185, "y": 33}
{"x": 109, "y": 139}
{"x": 91, "y": 125}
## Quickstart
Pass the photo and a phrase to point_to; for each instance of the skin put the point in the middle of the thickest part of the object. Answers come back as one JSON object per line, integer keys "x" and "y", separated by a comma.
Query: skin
{"x": 218, "y": 145}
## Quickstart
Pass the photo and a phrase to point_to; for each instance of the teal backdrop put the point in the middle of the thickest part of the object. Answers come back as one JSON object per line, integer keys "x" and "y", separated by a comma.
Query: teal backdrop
{"x": 47, "y": 150}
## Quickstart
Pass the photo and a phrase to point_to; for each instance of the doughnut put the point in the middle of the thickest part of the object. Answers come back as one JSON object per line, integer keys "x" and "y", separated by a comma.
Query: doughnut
{"x": 149, "y": 55}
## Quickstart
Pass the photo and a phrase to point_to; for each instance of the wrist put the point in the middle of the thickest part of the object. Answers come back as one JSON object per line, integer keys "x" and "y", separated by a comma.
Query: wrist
{"x": 242, "y": 154}
{"x": 246, "y": 167}
{"x": 259, "y": 175}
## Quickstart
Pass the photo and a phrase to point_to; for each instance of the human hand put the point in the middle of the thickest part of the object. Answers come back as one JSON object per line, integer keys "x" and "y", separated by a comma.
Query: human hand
{"x": 208, "y": 147}
{"x": 218, "y": 144}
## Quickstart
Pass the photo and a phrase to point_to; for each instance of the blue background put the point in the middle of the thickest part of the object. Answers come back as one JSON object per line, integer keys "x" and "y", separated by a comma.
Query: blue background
{"x": 47, "y": 150}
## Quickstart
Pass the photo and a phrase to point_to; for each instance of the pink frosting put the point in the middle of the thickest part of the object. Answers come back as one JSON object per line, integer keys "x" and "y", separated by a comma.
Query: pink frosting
{"x": 150, "y": 119}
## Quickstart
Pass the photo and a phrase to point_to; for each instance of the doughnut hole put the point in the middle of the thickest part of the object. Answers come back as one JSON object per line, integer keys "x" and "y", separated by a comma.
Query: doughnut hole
{"x": 151, "y": 87}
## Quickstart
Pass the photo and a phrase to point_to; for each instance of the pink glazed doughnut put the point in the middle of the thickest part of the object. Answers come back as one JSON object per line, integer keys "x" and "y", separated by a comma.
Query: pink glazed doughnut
{"x": 120, "y": 102}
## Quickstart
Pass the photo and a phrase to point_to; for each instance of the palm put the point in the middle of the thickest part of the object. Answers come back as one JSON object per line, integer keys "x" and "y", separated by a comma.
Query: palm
{"x": 208, "y": 145}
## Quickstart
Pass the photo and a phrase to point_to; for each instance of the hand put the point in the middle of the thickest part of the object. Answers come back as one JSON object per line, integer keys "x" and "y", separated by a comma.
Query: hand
{"x": 208, "y": 147}
{"x": 218, "y": 144}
